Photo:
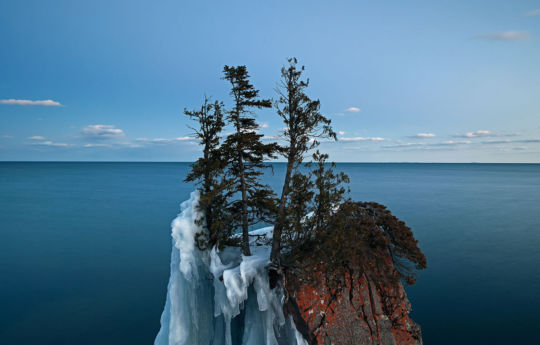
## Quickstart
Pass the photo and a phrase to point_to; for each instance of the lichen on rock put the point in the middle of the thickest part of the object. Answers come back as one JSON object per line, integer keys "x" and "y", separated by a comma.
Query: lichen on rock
{"x": 361, "y": 312}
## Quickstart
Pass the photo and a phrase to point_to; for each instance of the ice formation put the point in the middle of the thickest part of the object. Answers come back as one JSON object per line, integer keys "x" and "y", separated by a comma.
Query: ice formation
{"x": 221, "y": 298}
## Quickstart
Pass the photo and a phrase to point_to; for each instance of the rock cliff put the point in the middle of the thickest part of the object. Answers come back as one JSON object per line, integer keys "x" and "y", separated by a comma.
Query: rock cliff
{"x": 362, "y": 313}
{"x": 221, "y": 297}
{"x": 355, "y": 296}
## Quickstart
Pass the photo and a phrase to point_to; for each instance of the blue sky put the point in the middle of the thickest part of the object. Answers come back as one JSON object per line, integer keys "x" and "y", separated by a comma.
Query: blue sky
{"x": 421, "y": 81}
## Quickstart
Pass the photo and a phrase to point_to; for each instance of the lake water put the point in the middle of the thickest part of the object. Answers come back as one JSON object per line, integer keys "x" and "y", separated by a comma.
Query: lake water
{"x": 85, "y": 248}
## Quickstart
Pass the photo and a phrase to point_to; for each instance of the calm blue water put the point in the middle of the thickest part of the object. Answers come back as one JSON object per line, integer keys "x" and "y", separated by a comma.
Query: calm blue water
{"x": 85, "y": 248}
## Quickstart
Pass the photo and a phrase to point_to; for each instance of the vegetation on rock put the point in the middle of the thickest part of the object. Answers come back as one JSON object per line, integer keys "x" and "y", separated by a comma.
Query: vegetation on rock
{"x": 304, "y": 125}
{"x": 244, "y": 155}
{"x": 317, "y": 228}
{"x": 207, "y": 172}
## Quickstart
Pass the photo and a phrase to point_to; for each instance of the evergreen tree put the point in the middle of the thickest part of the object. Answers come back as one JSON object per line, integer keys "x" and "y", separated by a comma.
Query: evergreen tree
{"x": 330, "y": 234}
{"x": 313, "y": 201}
{"x": 245, "y": 155}
{"x": 329, "y": 192}
{"x": 317, "y": 228}
{"x": 297, "y": 225}
{"x": 207, "y": 172}
{"x": 304, "y": 124}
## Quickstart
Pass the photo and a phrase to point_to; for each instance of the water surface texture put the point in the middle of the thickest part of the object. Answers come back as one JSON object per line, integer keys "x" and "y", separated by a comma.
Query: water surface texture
{"x": 85, "y": 248}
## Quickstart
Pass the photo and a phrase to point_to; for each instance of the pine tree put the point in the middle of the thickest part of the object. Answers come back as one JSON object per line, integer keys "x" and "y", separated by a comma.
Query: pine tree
{"x": 304, "y": 124}
{"x": 245, "y": 155}
{"x": 207, "y": 172}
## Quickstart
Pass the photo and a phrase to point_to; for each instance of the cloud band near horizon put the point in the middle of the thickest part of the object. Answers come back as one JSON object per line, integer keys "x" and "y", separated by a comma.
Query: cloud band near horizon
{"x": 27, "y": 102}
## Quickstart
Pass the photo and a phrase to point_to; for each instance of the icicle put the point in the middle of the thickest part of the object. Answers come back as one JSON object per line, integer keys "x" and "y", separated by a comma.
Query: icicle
{"x": 220, "y": 298}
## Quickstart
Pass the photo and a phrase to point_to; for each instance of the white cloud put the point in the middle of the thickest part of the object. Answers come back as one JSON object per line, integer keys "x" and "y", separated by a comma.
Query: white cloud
{"x": 264, "y": 125}
{"x": 101, "y": 132}
{"x": 453, "y": 142}
{"x": 535, "y": 12}
{"x": 161, "y": 140}
{"x": 496, "y": 142}
{"x": 45, "y": 103}
{"x": 164, "y": 140}
{"x": 505, "y": 36}
{"x": 429, "y": 146}
{"x": 272, "y": 137}
{"x": 362, "y": 139}
{"x": 475, "y": 134}
{"x": 424, "y": 136}
{"x": 97, "y": 145}
{"x": 402, "y": 145}
{"x": 485, "y": 134}
{"x": 341, "y": 132}
{"x": 50, "y": 143}
{"x": 352, "y": 110}
{"x": 114, "y": 145}
{"x": 36, "y": 137}
{"x": 7, "y": 136}
{"x": 521, "y": 141}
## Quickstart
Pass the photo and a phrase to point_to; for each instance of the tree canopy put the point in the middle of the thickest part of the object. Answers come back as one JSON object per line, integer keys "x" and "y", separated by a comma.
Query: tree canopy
{"x": 207, "y": 172}
{"x": 316, "y": 224}
{"x": 304, "y": 125}
{"x": 245, "y": 155}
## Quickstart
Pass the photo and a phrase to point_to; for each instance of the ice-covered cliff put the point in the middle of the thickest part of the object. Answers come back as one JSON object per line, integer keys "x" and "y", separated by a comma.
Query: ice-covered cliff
{"x": 221, "y": 298}
{"x": 224, "y": 298}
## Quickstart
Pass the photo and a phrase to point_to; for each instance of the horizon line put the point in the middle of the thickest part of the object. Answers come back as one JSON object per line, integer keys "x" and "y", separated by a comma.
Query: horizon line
{"x": 281, "y": 162}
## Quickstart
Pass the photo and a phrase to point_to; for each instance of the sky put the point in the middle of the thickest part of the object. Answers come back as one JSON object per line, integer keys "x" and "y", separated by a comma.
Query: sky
{"x": 402, "y": 81}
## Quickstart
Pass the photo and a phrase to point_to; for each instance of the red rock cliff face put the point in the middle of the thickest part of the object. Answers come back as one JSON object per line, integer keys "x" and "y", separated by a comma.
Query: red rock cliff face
{"x": 364, "y": 312}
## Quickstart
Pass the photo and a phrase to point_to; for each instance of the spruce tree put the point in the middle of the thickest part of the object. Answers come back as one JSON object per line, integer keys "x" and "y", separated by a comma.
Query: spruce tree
{"x": 304, "y": 125}
{"x": 207, "y": 173}
{"x": 245, "y": 155}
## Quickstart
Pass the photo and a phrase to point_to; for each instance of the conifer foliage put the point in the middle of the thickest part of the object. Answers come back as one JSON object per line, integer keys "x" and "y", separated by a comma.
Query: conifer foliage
{"x": 329, "y": 191}
{"x": 316, "y": 225}
{"x": 207, "y": 172}
{"x": 245, "y": 154}
{"x": 304, "y": 125}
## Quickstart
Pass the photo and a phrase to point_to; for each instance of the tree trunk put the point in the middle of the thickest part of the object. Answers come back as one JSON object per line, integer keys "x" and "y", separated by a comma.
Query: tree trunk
{"x": 278, "y": 226}
{"x": 207, "y": 207}
{"x": 245, "y": 225}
